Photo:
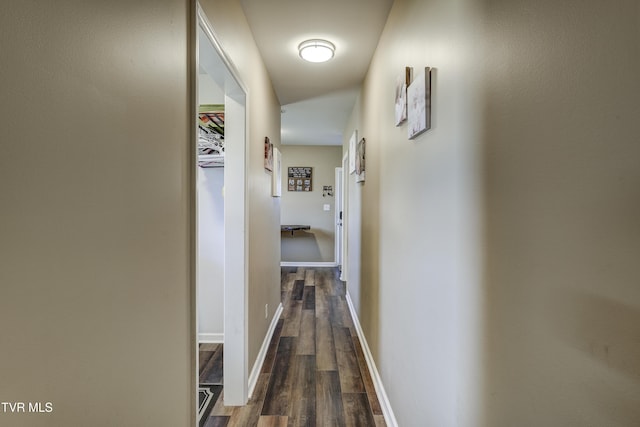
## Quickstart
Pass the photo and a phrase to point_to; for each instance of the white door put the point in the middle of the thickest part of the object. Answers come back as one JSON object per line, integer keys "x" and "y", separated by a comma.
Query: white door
{"x": 338, "y": 220}
{"x": 341, "y": 217}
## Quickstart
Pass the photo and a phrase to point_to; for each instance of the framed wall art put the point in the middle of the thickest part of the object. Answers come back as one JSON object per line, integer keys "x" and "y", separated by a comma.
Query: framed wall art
{"x": 299, "y": 178}
{"x": 268, "y": 154}
{"x": 276, "y": 177}
{"x": 402, "y": 82}
{"x": 419, "y": 104}
{"x": 352, "y": 151}
{"x": 360, "y": 160}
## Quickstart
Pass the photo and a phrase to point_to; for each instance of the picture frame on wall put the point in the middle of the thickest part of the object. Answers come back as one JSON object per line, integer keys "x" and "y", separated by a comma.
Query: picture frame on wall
{"x": 360, "y": 160}
{"x": 352, "y": 151}
{"x": 276, "y": 177}
{"x": 419, "y": 104}
{"x": 300, "y": 178}
{"x": 268, "y": 154}
{"x": 402, "y": 82}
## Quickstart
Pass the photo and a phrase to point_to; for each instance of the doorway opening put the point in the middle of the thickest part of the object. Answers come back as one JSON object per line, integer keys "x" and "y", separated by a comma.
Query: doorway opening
{"x": 342, "y": 215}
{"x": 339, "y": 214}
{"x": 221, "y": 215}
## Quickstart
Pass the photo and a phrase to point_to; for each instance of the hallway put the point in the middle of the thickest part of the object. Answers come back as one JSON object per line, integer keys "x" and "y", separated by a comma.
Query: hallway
{"x": 315, "y": 372}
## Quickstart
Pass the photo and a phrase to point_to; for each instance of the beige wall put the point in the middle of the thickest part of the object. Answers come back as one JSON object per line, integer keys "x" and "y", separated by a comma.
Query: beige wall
{"x": 560, "y": 152}
{"x": 317, "y": 244}
{"x": 499, "y": 281}
{"x": 263, "y": 116}
{"x": 95, "y": 213}
{"x": 96, "y": 209}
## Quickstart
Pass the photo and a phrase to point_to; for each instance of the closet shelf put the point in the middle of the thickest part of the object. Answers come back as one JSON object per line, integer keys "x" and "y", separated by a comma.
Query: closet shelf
{"x": 211, "y": 161}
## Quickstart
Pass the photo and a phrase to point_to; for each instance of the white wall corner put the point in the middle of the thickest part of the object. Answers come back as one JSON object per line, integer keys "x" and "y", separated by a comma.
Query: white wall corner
{"x": 211, "y": 338}
{"x": 389, "y": 416}
{"x": 262, "y": 354}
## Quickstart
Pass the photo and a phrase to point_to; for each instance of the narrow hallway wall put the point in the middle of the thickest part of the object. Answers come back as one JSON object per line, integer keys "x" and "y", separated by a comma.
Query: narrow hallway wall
{"x": 95, "y": 213}
{"x": 418, "y": 291}
{"x": 560, "y": 150}
{"x": 498, "y": 283}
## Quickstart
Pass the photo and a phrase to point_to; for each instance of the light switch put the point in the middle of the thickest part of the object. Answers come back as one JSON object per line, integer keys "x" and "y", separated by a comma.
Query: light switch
{"x": 327, "y": 207}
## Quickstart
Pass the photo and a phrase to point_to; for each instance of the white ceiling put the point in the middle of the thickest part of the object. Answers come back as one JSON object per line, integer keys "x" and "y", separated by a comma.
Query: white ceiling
{"x": 317, "y": 99}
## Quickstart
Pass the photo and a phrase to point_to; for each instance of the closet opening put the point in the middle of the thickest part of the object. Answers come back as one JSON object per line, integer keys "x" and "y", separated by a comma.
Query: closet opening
{"x": 221, "y": 218}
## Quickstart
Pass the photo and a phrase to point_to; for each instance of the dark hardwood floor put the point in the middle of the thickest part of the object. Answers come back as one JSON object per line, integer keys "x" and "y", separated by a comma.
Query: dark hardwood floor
{"x": 211, "y": 363}
{"x": 314, "y": 373}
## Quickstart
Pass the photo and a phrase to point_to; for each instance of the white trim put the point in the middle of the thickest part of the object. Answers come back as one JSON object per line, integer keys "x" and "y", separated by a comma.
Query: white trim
{"x": 307, "y": 264}
{"x": 211, "y": 338}
{"x": 213, "y": 37}
{"x": 236, "y": 220}
{"x": 345, "y": 214}
{"x": 389, "y": 417}
{"x": 337, "y": 230}
{"x": 257, "y": 367}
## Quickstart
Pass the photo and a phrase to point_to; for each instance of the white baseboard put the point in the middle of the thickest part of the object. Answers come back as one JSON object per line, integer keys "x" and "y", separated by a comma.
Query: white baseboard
{"x": 211, "y": 338}
{"x": 257, "y": 367}
{"x": 307, "y": 264}
{"x": 389, "y": 417}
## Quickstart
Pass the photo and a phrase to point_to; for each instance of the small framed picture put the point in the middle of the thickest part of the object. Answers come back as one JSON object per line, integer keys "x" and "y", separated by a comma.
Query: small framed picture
{"x": 276, "y": 177}
{"x": 419, "y": 104}
{"x": 268, "y": 154}
{"x": 360, "y": 160}
{"x": 352, "y": 152}
{"x": 300, "y": 178}
{"x": 402, "y": 82}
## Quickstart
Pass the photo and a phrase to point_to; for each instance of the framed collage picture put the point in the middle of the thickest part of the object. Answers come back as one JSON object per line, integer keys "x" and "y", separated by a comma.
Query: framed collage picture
{"x": 300, "y": 178}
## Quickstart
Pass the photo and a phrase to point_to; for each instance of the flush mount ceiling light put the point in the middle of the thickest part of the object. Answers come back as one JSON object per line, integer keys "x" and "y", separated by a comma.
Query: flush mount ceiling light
{"x": 316, "y": 50}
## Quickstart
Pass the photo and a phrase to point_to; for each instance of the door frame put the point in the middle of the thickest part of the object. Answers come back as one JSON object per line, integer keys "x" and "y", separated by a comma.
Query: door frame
{"x": 235, "y": 355}
{"x": 344, "y": 201}
{"x": 338, "y": 235}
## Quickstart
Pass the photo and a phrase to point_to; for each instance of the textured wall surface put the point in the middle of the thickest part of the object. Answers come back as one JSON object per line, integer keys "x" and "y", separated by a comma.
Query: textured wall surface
{"x": 94, "y": 213}
{"x": 498, "y": 285}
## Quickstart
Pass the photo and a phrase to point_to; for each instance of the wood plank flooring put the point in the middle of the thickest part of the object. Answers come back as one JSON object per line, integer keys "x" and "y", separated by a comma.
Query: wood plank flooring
{"x": 210, "y": 363}
{"x": 314, "y": 373}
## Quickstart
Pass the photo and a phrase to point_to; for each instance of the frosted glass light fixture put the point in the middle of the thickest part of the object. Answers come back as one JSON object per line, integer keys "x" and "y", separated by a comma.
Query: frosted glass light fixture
{"x": 316, "y": 50}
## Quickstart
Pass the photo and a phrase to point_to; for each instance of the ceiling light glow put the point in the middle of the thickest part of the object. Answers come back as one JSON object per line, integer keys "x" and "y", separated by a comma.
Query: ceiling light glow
{"x": 316, "y": 50}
